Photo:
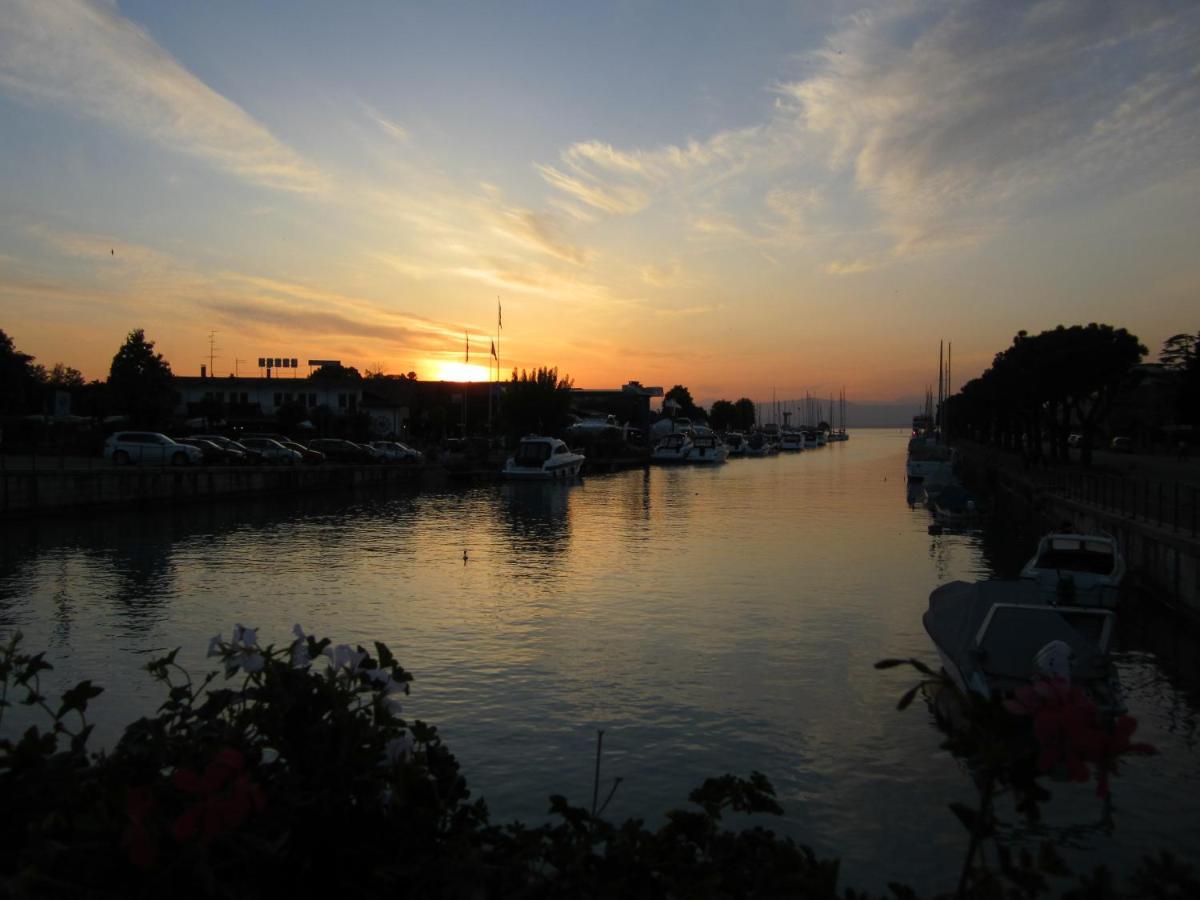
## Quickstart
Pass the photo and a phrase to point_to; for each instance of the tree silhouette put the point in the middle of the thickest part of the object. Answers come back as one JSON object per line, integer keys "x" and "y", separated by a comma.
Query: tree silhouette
{"x": 1179, "y": 351}
{"x": 745, "y": 414}
{"x": 1054, "y": 383}
{"x": 536, "y": 402}
{"x": 722, "y": 415}
{"x": 140, "y": 382}
{"x": 19, "y": 377}
{"x": 687, "y": 406}
{"x": 330, "y": 371}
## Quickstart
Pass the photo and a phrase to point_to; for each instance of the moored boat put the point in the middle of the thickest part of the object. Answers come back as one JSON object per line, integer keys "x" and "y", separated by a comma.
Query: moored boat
{"x": 707, "y": 449}
{"x": 996, "y": 636}
{"x": 673, "y": 448}
{"x": 1084, "y": 569}
{"x": 543, "y": 459}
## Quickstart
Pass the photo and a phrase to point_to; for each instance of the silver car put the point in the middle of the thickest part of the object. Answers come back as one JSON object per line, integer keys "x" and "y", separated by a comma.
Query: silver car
{"x": 272, "y": 451}
{"x": 132, "y": 447}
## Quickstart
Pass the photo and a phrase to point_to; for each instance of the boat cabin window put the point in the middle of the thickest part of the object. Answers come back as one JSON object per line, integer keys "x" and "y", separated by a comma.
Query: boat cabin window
{"x": 561, "y": 449}
{"x": 533, "y": 454}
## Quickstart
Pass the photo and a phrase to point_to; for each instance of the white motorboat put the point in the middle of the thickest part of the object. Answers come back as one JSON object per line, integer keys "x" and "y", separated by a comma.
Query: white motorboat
{"x": 707, "y": 449}
{"x": 996, "y": 636}
{"x": 1083, "y": 569}
{"x": 791, "y": 441}
{"x": 673, "y": 448}
{"x": 544, "y": 459}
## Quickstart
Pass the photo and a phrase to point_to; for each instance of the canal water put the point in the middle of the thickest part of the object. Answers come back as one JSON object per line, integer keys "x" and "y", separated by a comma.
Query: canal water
{"x": 708, "y": 620}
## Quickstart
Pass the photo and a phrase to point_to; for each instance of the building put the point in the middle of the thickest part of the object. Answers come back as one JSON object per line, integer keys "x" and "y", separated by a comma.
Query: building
{"x": 236, "y": 397}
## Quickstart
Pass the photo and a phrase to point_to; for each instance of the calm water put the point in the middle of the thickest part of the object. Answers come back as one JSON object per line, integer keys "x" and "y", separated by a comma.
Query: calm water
{"x": 710, "y": 621}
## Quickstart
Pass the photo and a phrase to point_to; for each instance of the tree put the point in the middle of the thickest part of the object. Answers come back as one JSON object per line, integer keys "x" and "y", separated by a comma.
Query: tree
{"x": 328, "y": 371}
{"x": 745, "y": 414}
{"x": 1179, "y": 351}
{"x": 19, "y": 377}
{"x": 140, "y": 382}
{"x": 687, "y": 406}
{"x": 64, "y": 378}
{"x": 722, "y": 415}
{"x": 536, "y": 402}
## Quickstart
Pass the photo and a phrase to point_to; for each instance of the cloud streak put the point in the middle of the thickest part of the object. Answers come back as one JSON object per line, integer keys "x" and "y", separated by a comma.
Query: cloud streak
{"x": 87, "y": 59}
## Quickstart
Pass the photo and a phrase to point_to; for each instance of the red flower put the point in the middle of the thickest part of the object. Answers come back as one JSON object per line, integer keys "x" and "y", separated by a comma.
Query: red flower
{"x": 226, "y": 798}
{"x": 1070, "y": 733}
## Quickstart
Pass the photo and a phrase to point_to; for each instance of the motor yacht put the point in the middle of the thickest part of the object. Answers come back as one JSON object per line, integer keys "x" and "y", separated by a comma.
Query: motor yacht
{"x": 543, "y": 459}
{"x": 673, "y": 448}
{"x": 707, "y": 449}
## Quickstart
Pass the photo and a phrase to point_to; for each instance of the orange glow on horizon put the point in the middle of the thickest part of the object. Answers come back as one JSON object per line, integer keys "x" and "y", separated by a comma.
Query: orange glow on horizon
{"x": 456, "y": 371}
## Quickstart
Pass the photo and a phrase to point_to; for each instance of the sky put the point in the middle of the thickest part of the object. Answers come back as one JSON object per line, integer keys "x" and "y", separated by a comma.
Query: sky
{"x": 741, "y": 198}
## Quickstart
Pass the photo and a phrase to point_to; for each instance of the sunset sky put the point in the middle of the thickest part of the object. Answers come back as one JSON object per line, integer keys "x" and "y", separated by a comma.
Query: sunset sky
{"x": 736, "y": 197}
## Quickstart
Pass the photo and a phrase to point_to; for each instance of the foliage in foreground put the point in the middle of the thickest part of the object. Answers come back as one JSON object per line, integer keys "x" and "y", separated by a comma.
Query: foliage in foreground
{"x": 295, "y": 772}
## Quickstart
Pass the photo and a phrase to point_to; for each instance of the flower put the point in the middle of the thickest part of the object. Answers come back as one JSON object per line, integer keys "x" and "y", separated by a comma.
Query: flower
{"x": 245, "y": 637}
{"x": 396, "y": 750}
{"x": 346, "y": 657}
{"x": 1070, "y": 733}
{"x": 214, "y": 645}
{"x": 225, "y": 798}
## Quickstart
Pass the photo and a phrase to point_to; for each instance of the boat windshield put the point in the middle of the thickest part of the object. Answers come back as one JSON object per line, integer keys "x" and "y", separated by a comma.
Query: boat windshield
{"x": 1076, "y": 559}
{"x": 533, "y": 453}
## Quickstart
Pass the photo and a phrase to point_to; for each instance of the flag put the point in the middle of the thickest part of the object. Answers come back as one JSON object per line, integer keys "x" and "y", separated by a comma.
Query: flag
{"x": 499, "y": 315}
{"x": 494, "y": 350}
{"x": 467, "y": 341}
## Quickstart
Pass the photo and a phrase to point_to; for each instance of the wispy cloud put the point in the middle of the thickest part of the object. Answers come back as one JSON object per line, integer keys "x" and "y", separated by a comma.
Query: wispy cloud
{"x": 953, "y": 120}
{"x": 86, "y": 58}
{"x": 958, "y": 116}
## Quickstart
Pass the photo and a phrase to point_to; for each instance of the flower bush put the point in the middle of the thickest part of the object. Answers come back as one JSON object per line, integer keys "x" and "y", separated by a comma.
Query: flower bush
{"x": 291, "y": 770}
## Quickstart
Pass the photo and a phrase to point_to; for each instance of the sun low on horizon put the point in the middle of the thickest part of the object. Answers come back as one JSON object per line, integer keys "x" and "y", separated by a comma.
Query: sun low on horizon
{"x": 456, "y": 371}
{"x": 793, "y": 200}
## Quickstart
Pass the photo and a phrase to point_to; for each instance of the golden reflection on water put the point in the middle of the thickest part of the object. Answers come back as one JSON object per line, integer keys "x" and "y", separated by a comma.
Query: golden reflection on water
{"x": 710, "y": 620}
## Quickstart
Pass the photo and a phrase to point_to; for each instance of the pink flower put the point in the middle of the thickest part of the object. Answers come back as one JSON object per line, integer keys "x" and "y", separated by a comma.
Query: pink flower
{"x": 1070, "y": 733}
{"x": 226, "y": 797}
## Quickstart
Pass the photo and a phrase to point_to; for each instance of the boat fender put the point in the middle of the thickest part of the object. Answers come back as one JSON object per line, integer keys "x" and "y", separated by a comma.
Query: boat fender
{"x": 1054, "y": 659}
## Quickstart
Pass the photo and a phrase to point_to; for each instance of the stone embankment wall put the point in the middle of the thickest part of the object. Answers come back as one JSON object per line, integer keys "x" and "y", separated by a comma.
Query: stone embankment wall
{"x": 25, "y": 492}
{"x": 1161, "y": 551}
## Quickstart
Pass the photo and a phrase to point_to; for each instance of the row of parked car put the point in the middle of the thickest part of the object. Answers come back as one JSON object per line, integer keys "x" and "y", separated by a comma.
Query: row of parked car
{"x": 133, "y": 447}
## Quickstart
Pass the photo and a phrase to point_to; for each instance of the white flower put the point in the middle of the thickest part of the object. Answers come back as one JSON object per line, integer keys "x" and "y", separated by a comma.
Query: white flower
{"x": 251, "y": 660}
{"x": 214, "y": 646}
{"x": 397, "y": 749}
{"x": 345, "y": 657}
{"x": 299, "y": 632}
{"x": 245, "y": 637}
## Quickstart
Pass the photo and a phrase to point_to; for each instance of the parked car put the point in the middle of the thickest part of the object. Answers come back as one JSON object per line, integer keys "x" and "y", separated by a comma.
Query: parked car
{"x": 213, "y": 454}
{"x": 238, "y": 455}
{"x": 307, "y": 454}
{"x": 1121, "y": 444}
{"x": 337, "y": 450}
{"x": 131, "y": 447}
{"x": 272, "y": 451}
{"x": 394, "y": 451}
{"x": 372, "y": 455}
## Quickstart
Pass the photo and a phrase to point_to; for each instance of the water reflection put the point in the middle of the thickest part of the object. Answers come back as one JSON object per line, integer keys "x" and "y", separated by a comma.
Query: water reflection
{"x": 536, "y": 515}
{"x": 710, "y": 620}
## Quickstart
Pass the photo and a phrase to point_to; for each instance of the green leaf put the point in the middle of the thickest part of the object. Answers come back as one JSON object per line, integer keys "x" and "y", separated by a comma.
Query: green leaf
{"x": 908, "y": 697}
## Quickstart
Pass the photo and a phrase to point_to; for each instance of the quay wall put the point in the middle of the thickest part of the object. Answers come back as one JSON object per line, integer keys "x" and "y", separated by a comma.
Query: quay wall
{"x": 1162, "y": 557}
{"x": 25, "y": 492}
